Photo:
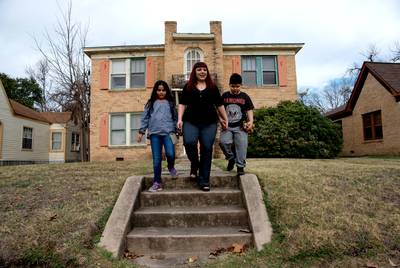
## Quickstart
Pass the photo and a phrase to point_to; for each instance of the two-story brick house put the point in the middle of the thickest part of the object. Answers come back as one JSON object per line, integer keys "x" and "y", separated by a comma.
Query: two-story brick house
{"x": 123, "y": 76}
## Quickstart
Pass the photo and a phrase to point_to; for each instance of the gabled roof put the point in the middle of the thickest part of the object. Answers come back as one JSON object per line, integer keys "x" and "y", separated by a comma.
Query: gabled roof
{"x": 27, "y": 112}
{"x": 57, "y": 117}
{"x": 387, "y": 74}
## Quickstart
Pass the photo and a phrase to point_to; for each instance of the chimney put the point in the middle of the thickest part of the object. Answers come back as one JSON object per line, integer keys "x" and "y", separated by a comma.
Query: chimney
{"x": 170, "y": 28}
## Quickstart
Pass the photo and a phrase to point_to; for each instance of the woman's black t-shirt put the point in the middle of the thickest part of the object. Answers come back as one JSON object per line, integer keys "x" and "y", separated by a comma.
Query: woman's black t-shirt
{"x": 200, "y": 105}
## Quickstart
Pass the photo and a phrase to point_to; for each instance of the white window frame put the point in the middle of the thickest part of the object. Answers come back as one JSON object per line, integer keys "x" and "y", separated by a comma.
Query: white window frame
{"x": 23, "y": 137}
{"x": 127, "y": 130}
{"x": 189, "y": 52}
{"x": 75, "y": 142}
{"x": 127, "y": 73}
{"x": 52, "y": 140}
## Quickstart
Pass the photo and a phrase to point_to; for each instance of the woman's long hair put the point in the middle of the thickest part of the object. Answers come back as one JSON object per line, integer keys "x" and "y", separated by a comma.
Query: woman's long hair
{"x": 154, "y": 97}
{"x": 191, "y": 84}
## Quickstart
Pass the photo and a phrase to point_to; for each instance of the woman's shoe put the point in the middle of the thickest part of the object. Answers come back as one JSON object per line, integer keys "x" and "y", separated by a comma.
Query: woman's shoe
{"x": 193, "y": 174}
{"x": 205, "y": 188}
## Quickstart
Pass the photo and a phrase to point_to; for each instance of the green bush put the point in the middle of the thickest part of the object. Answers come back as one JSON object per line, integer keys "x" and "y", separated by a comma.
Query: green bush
{"x": 294, "y": 130}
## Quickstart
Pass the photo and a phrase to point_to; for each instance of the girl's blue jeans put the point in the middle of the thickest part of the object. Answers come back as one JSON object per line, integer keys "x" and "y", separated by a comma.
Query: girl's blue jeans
{"x": 205, "y": 134}
{"x": 157, "y": 142}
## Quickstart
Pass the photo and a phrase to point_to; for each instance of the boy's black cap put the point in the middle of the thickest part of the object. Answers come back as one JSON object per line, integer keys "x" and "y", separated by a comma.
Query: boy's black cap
{"x": 235, "y": 79}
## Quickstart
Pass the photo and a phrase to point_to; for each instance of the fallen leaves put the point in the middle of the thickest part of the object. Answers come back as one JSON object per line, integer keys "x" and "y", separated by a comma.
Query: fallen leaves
{"x": 192, "y": 259}
{"x": 234, "y": 248}
{"x": 371, "y": 265}
{"x": 131, "y": 255}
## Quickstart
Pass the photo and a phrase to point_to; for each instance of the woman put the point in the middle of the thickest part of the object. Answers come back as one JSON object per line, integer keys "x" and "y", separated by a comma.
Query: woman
{"x": 198, "y": 117}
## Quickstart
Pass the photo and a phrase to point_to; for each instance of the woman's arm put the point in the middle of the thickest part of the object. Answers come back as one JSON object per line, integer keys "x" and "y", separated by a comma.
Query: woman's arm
{"x": 223, "y": 117}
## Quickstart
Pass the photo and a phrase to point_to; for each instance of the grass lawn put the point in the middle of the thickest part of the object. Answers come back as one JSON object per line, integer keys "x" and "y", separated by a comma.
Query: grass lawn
{"x": 53, "y": 215}
{"x": 328, "y": 213}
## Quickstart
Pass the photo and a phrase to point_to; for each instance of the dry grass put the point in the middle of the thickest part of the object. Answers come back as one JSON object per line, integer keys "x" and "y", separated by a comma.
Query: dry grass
{"x": 52, "y": 215}
{"x": 328, "y": 213}
{"x": 325, "y": 213}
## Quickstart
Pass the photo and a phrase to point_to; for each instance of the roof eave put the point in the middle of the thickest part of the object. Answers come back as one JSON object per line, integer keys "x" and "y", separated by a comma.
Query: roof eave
{"x": 89, "y": 51}
{"x": 264, "y": 46}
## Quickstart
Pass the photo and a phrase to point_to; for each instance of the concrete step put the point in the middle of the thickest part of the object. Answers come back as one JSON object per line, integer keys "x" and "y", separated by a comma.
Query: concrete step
{"x": 153, "y": 240}
{"x": 184, "y": 182}
{"x": 190, "y": 216}
{"x": 192, "y": 197}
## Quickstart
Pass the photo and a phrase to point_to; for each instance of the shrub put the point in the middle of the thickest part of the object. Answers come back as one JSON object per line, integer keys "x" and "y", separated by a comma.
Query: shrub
{"x": 294, "y": 130}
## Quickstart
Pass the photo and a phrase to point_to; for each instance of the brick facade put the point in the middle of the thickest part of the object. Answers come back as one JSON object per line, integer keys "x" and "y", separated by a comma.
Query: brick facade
{"x": 373, "y": 97}
{"x": 164, "y": 61}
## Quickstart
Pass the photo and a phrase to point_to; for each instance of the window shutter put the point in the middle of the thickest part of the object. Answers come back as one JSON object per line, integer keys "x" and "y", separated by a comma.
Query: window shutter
{"x": 236, "y": 64}
{"x": 104, "y": 74}
{"x": 150, "y": 72}
{"x": 282, "y": 71}
{"x": 104, "y": 130}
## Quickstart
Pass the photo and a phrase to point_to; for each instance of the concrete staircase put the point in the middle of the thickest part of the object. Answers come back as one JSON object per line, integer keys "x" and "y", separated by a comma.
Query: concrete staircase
{"x": 182, "y": 221}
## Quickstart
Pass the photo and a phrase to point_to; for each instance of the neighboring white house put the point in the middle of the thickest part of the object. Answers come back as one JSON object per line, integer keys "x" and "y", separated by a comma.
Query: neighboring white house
{"x": 28, "y": 136}
{"x": 64, "y": 137}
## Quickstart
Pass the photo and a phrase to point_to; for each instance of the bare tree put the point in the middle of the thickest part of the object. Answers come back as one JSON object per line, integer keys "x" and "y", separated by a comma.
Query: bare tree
{"x": 333, "y": 96}
{"x": 370, "y": 54}
{"x": 396, "y": 53}
{"x": 40, "y": 72}
{"x": 69, "y": 70}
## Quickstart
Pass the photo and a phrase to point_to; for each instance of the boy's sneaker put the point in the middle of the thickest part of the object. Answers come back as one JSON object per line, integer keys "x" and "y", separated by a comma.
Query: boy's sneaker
{"x": 231, "y": 164}
{"x": 240, "y": 171}
{"x": 156, "y": 187}
{"x": 174, "y": 173}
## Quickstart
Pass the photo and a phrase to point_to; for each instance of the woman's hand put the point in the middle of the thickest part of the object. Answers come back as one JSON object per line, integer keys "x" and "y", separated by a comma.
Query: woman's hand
{"x": 179, "y": 125}
{"x": 139, "y": 137}
{"x": 224, "y": 124}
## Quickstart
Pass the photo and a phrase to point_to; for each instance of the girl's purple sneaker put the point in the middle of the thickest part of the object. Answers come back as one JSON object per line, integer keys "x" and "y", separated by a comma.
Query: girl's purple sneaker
{"x": 156, "y": 187}
{"x": 174, "y": 173}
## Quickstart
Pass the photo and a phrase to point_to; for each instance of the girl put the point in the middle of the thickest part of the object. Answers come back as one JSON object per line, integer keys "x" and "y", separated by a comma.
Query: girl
{"x": 200, "y": 107}
{"x": 159, "y": 117}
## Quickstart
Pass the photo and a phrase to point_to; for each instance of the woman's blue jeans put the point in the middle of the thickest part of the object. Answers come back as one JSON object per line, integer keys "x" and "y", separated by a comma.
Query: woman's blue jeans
{"x": 205, "y": 134}
{"x": 157, "y": 142}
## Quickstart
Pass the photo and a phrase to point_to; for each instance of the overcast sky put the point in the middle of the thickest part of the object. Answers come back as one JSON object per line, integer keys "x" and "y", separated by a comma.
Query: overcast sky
{"x": 334, "y": 32}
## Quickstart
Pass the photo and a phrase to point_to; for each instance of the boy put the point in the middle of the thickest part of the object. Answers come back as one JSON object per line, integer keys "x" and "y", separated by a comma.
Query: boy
{"x": 239, "y": 109}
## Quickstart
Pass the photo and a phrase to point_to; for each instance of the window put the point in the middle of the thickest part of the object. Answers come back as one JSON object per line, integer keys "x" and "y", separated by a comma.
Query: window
{"x": 259, "y": 70}
{"x": 124, "y": 129}
{"x": 75, "y": 144}
{"x": 135, "y": 126}
{"x": 118, "y": 136}
{"x": 27, "y": 138}
{"x": 372, "y": 125}
{"x": 137, "y": 73}
{"x": 128, "y": 73}
{"x": 118, "y": 74}
{"x": 56, "y": 141}
{"x": 191, "y": 57}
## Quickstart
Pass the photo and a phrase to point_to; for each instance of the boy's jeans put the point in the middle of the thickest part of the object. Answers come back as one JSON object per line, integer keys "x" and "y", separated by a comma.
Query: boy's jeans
{"x": 206, "y": 135}
{"x": 237, "y": 137}
{"x": 157, "y": 141}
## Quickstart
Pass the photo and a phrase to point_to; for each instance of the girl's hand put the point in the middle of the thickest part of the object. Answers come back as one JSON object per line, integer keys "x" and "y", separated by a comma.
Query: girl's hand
{"x": 139, "y": 137}
{"x": 179, "y": 125}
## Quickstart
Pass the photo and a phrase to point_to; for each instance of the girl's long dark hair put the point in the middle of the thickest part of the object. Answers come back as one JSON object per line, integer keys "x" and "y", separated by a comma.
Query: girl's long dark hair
{"x": 153, "y": 97}
{"x": 191, "y": 84}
